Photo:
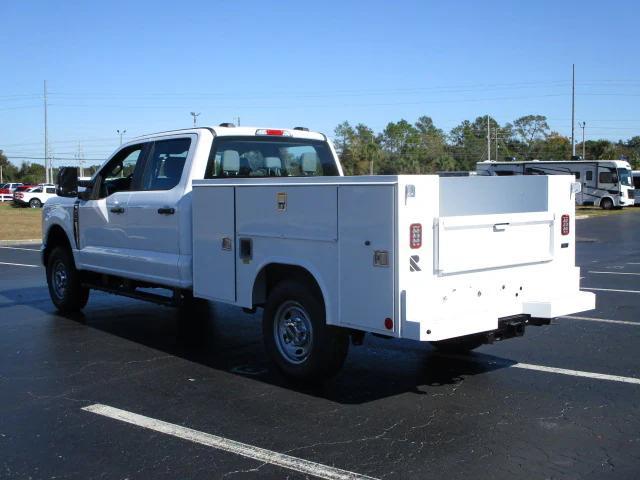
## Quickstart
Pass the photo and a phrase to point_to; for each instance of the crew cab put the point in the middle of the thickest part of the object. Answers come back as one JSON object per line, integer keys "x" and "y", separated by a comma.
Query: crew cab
{"x": 264, "y": 218}
{"x": 34, "y": 197}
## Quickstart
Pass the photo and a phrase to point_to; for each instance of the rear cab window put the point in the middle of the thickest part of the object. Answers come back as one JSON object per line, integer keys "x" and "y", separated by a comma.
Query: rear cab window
{"x": 256, "y": 157}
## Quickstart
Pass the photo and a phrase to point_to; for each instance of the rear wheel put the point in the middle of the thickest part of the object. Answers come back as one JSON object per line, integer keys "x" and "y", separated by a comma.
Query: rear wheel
{"x": 35, "y": 203}
{"x": 296, "y": 336}
{"x": 459, "y": 345}
{"x": 606, "y": 203}
{"x": 63, "y": 279}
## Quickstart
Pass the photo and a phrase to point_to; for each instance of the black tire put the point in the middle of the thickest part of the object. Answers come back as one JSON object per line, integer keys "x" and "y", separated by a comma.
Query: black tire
{"x": 606, "y": 204}
{"x": 459, "y": 345}
{"x": 63, "y": 279}
{"x": 321, "y": 353}
{"x": 35, "y": 203}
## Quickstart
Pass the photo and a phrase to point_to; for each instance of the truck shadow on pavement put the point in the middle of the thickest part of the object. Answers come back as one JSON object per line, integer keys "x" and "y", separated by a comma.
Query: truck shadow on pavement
{"x": 229, "y": 340}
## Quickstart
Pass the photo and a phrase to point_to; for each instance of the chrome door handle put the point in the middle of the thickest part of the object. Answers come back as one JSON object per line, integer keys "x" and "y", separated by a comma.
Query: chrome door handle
{"x": 116, "y": 210}
{"x": 166, "y": 211}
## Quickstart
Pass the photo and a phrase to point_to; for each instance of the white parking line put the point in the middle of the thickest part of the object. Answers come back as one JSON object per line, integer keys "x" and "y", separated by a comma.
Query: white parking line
{"x": 21, "y": 248}
{"x": 603, "y": 320}
{"x": 19, "y": 264}
{"x": 610, "y": 290}
{"x": 633, "y": 263}
{"x": 256, "y": 453}
{"x": 542, "y": 368}
{"x": 616, "y": 273}
{"x": 577, "y": 373}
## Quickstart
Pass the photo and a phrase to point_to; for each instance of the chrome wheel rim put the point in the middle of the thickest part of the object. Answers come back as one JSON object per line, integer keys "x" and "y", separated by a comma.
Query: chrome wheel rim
{"x": 293, "y": 332}
{"x": 59, "y": 279}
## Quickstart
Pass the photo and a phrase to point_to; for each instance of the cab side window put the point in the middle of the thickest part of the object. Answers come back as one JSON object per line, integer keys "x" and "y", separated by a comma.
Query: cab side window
{"x": 121, "y": 173}
{"x": 165, "y": 164}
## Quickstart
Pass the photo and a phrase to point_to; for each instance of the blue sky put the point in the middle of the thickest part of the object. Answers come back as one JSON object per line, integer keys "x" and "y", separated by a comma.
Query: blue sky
{"x": 143, "y": 66}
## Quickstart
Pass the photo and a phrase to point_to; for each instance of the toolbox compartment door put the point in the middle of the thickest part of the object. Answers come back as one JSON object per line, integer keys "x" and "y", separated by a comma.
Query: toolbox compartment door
{"x": 480, "y": 242}
{"x": 214, "y": 244}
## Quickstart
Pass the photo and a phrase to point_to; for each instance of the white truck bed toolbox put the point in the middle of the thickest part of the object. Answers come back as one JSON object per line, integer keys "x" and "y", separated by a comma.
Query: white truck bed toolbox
{"x": 418, "y": 257}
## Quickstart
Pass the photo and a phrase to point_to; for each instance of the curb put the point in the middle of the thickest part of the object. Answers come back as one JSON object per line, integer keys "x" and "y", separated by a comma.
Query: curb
{"x": 29, "y": 241}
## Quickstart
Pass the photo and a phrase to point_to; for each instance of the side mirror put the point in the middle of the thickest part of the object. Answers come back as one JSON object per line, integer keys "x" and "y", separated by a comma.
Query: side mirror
{"x": 67, "y": 182}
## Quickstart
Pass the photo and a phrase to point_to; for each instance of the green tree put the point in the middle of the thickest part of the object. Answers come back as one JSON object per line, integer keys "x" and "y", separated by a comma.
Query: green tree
{"x": 555, "y": 147}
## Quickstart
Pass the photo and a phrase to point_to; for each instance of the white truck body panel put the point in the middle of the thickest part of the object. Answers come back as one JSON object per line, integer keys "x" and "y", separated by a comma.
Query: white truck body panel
{"x": 480, "y": 259}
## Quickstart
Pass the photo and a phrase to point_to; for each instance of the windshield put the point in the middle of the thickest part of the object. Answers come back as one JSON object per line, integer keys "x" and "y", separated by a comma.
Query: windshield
{"x": 240, "y": 157}
{"x": 625, "y": 176}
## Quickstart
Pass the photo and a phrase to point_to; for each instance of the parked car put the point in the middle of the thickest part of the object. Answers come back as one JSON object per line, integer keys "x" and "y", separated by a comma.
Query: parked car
{"x": 24, "y": 187}
{"x": 6, "y": 191}
{"x": 34, "y": 197}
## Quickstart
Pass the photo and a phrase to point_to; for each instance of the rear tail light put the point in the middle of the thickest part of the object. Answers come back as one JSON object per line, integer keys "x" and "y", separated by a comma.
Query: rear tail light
{"x": 19, "y": 195}
{"x": 273, "y": 132}
{"x": 415, "y": 235}
{"x": 564, "y": 225}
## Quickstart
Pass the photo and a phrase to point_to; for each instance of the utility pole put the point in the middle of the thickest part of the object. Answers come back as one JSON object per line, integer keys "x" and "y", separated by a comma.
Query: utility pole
{"x": 582, "y": 125}
{"x": 46, "y": 138}
{"x": 80, "y": 160}
{"x": 194, "y": 115}
{"x": 573, "y": 109}
{"x": 496, "y": 156}
{"x": 238, "y": 118}
{"x": 121, "y": 133}
{"x": 488, "y": 140}
{"x": 1, "y": 179}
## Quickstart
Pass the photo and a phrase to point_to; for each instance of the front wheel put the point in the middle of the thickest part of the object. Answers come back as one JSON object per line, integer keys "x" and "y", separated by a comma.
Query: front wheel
{"x": 35, "y": 203}
{"x": 606, "y": 203}
{"x": 296, "y": 337}
{"x": 63, "y": 279}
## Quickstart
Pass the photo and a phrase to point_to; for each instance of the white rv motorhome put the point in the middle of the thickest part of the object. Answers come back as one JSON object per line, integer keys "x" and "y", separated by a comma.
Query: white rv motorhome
{"x": 635, "y": 179}
{"x": 605, "y": 183}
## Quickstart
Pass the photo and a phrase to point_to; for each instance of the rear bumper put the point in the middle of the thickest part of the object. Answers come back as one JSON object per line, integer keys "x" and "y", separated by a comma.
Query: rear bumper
{"x": 468, "y": 318}
{"x": 562, "y": 305}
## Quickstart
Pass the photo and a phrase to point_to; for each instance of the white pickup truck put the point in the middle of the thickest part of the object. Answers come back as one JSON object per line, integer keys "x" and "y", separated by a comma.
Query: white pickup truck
{"x": 264, "y": 218}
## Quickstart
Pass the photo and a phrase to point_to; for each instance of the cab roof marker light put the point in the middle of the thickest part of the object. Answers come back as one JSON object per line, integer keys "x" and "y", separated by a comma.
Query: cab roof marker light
{"x": 273, "y": 132}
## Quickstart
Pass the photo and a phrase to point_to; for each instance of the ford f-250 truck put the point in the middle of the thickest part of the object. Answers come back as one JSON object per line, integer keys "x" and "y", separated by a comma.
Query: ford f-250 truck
{"x": 264, "y": 218}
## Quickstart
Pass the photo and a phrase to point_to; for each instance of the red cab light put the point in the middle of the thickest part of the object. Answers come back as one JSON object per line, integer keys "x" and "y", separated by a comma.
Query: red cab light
{"x": 273, "y": 132}
{"x": 415, "y": 235}
{"x": 388, "y": 323}
{"x": 564, "y": 225}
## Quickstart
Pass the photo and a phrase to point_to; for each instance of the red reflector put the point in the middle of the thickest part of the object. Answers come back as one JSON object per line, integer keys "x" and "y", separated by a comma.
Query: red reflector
{"x": 388, "y": 324}
{"x": 564, "y": 225}
{"x": 415, "y": 235}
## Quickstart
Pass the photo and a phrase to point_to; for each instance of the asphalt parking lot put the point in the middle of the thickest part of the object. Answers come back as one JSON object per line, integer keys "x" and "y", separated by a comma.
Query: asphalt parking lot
{"x": 127, "y": 390}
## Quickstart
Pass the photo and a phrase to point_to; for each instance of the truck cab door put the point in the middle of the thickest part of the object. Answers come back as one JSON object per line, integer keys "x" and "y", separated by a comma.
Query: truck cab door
{"x": 102, "y": 241}
{"x": 155, "y": 212}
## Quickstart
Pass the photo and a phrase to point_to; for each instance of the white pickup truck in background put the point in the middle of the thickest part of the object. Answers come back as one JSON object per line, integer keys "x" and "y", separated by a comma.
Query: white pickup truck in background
{"x": 264, "y": 218}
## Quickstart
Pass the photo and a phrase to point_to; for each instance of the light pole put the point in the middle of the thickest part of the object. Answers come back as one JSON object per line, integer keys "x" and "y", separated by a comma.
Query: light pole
{"x": 573, "y": 108}
{"x": 121, "y": 133}
{"x": 194, "y": 115}
{"x": 582, "y": 125}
